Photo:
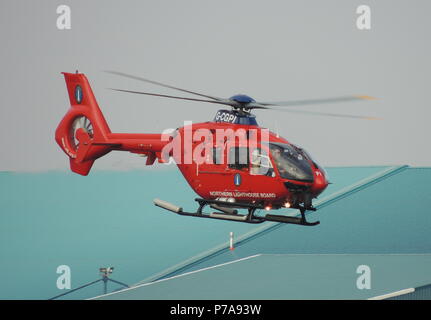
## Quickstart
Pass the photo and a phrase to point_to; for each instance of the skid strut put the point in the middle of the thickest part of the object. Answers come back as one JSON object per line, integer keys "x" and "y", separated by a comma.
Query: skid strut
{"x": 292, "y": 220}
{"x": 226, "y": 211}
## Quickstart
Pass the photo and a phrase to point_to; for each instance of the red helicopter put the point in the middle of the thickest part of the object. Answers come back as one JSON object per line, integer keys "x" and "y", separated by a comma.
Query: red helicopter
{"x": 231, "y": 162}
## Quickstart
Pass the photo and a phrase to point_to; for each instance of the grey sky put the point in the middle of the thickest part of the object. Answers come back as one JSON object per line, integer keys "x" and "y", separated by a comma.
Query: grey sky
{"x": 270, "y": 50}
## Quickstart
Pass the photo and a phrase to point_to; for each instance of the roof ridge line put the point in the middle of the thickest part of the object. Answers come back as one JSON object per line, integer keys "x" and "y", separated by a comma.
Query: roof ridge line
{"x": 271, "y": 225}
{"x": 360, "y": 185}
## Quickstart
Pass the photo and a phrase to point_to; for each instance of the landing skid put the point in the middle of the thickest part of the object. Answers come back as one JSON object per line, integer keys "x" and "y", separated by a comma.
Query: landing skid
{"x": 226, "y": 212}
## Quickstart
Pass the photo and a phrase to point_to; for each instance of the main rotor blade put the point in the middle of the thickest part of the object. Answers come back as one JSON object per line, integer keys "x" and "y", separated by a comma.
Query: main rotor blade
{"x": 228, "y": 103}
{"x": 327, "y": 114}
{"x": 122, "y": 74}
{"x": 316, "y": 101}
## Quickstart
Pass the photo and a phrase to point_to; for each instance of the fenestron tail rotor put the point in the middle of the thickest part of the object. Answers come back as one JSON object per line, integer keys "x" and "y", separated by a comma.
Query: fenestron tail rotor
{"x": 81, "y": 122}
{"x": 244, "y": 103}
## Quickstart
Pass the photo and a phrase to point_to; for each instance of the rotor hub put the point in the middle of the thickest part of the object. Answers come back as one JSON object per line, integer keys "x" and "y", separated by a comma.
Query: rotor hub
{"x": 242, "y": 99}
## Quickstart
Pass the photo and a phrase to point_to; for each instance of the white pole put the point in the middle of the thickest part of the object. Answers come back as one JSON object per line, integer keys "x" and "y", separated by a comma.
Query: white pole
{"x": 231, "y": 247}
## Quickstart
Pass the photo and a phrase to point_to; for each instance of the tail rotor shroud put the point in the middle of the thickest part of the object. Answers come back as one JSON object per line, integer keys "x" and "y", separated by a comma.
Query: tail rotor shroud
{"x": 81, "y": 122}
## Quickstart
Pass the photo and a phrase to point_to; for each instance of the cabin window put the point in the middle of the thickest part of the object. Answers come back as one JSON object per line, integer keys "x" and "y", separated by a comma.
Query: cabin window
{"x": 217, "y": 155}
{"x": 261, "y": 164}
{"x": 238, "y": 158}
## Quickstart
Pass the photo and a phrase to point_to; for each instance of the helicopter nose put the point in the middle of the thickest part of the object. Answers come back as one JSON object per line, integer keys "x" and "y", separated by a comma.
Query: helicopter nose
{"x": 320, "y": 182}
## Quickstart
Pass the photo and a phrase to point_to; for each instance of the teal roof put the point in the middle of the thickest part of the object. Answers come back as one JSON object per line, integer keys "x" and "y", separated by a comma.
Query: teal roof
{"x": 289, "y": 276}
{"x": 108, "y": 219}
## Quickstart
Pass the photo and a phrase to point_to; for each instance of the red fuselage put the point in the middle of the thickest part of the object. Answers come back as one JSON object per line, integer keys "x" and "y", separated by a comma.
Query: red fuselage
{"x": 255, "y": 166}
{"x": 220, "y": 181}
